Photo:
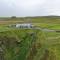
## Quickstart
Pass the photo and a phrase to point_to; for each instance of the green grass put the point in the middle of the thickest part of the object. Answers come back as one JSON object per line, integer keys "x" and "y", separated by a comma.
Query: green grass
{"x": 48, "y": 26}
{"x": 30, "y": 44}
{"x": 14, "y": 39}
{"x": 18, "y": 44}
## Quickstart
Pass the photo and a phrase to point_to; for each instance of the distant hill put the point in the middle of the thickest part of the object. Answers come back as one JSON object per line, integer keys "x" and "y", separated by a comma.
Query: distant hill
{"x": 33, "y": 19}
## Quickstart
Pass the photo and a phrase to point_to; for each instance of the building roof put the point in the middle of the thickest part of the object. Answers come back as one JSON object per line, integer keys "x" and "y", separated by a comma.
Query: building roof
{"x": 17, "y": 25}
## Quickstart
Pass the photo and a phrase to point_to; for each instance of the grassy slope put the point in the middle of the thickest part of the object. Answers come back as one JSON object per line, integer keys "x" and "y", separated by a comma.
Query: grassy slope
{"x": 53, "y": 42}
{"x": 17, "y": 43}
{"x": 30, "y": 45}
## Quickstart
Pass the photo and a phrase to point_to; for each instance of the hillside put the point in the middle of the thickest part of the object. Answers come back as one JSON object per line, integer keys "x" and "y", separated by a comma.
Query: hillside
{"x": 30, "y": 44}
{"x": 36, "y": 19}
{"x": 48, "y": 22}
{"x": 25, "y": 44}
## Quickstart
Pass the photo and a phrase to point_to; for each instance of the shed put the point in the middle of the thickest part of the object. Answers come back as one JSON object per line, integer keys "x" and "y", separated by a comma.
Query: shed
{"x": 24, "y": 25}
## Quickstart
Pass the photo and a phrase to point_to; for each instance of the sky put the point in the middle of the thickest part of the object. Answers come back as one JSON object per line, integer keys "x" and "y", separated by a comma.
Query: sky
{"x": 29, "y": 7}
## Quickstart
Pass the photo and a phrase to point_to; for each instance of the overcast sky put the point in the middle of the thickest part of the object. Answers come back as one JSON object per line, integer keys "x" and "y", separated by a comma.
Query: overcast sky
{"x": 29, "y": 7}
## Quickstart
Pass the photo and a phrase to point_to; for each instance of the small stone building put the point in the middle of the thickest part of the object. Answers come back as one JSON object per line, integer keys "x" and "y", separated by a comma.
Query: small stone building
{"x": 24, "y": 25}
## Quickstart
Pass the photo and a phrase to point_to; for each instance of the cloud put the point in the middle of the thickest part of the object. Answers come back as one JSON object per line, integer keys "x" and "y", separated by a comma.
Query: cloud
{"x": 29, "y": 7}
{"x": 52, "y": 7}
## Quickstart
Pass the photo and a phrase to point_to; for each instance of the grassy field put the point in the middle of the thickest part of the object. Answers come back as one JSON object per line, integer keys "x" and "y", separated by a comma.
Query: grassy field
{"x": 50, "y": 22}
{"x": 30, "y": 44}
{"x": 27, "y": 44}
{"x": 48, "y": 26}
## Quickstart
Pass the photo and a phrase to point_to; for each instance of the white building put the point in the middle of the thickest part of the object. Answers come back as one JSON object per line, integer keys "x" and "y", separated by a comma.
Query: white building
{"x": 25, "y": 25}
